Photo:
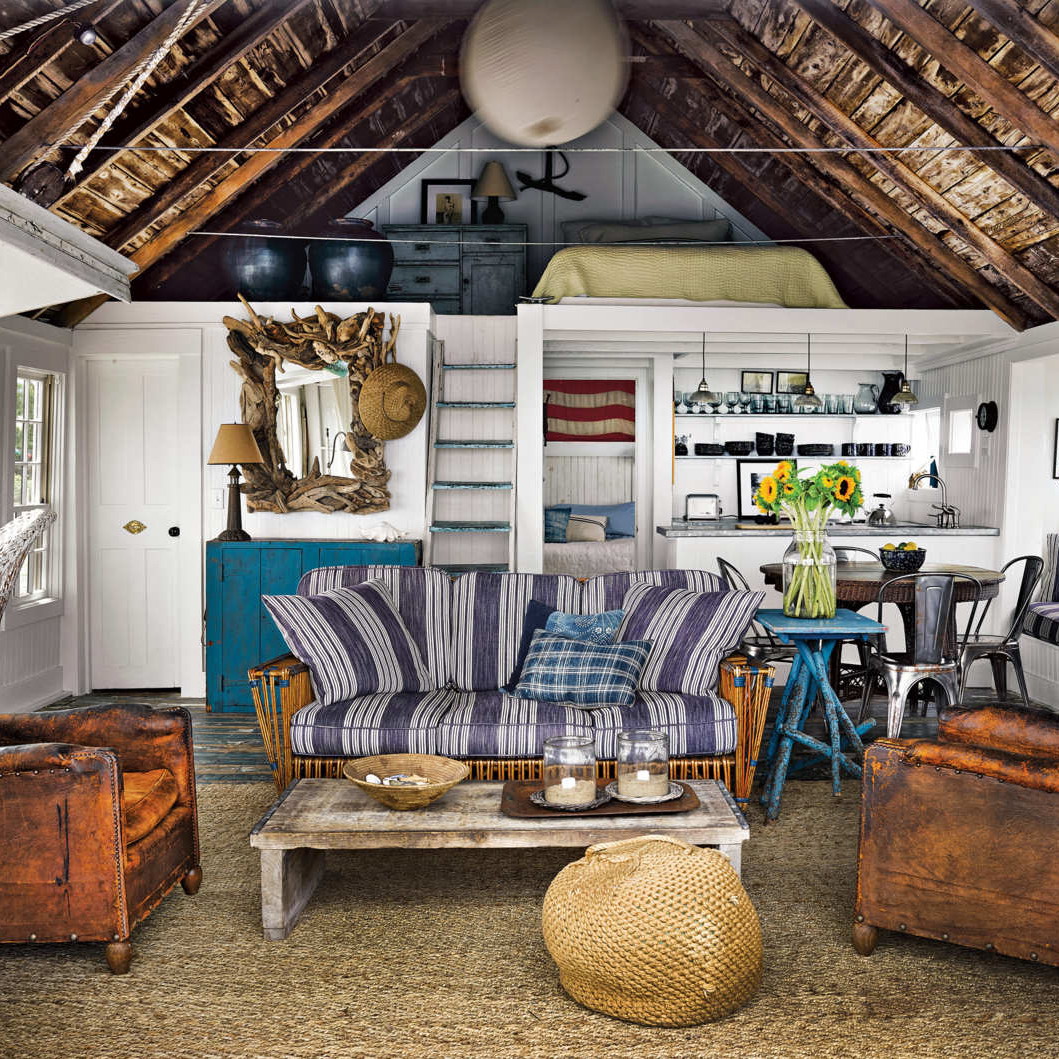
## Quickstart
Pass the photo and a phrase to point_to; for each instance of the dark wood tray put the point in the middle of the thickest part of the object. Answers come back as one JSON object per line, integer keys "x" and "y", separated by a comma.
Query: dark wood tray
{"x": 514, "y": 801}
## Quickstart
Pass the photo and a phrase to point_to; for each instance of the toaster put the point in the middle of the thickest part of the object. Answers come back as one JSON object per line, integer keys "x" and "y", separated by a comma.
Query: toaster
{"x": 701, "y": 507}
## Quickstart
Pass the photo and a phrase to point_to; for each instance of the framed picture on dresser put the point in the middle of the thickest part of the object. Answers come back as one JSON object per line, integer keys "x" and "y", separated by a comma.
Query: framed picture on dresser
{"x": 447, "y": 202}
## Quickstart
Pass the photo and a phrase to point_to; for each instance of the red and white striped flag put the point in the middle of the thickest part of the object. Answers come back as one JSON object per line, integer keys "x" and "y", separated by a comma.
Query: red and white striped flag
{"x": 590, "y": 409}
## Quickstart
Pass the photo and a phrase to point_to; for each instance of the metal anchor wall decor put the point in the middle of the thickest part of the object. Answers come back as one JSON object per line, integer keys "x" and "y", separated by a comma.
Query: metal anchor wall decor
{"x": 548, "y": 181}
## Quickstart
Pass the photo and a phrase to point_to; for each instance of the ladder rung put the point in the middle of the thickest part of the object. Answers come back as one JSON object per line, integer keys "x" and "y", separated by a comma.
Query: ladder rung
{"x": 476, "y": 404}
{"x": 478, "y": 367}
{"x": 472, "y": 485}
{"x": 494, "y": 444}
{"x": 470, "y": 527}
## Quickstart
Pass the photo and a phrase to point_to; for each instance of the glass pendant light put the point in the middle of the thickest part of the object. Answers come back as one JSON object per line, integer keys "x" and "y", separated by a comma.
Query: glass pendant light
{"x": 704, "y": 395}
{"x": 905, "y": 395}
{"x": 808, "y": 399}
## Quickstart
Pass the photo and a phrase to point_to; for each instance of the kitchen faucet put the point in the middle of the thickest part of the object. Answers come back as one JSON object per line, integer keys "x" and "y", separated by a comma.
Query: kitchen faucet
{"x": 947, "y": 517}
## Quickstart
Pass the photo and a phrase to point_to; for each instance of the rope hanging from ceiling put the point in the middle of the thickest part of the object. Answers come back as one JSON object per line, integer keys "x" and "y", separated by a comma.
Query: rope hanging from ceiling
{"x": 43, "y": 19}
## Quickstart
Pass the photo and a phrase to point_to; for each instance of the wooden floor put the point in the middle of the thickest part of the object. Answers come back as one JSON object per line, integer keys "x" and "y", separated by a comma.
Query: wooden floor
{"x": 228, "y": 745}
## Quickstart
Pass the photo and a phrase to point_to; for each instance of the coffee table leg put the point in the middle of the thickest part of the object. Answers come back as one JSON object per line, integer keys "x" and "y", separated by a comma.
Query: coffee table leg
{"x": 288, "y": 879}
{"x": 734, "y": 852}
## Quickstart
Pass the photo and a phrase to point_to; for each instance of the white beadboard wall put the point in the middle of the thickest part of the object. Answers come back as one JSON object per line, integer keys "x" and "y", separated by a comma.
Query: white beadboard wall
{"x": 31, "y": 651}
{"x": 617, "y": 187}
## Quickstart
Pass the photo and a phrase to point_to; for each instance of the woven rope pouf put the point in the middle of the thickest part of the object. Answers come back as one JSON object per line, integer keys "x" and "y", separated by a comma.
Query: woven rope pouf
{"x": 654, "y": 930}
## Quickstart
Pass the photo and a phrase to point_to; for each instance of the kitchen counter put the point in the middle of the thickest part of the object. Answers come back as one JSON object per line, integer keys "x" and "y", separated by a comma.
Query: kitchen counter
{"x": 726, "y": 527}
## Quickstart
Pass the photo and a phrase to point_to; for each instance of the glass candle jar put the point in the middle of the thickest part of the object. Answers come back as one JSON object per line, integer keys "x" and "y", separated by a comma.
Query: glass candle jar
{"x": 569, "y": 770}
{"x": 643, "y": 764}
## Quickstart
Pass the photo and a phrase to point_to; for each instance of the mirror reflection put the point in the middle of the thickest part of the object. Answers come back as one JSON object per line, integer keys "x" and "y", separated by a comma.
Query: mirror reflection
{"x": 313, "y": 413}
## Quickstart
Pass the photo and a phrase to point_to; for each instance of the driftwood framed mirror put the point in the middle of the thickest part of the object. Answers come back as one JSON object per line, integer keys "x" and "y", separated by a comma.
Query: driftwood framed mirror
{"x": 301, "y": 389}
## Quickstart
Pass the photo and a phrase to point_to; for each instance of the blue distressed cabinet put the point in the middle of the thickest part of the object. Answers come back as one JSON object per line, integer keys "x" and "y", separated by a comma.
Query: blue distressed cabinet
{"x": 239, "y": 631}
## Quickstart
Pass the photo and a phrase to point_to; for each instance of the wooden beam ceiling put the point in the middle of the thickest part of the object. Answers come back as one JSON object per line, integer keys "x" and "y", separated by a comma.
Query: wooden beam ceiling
{"x": 844, "y": 127}
{"x": 1018, "y": 25}
{"x": 629, "y": 9}
{"x": 45, "y": 130}
{"x": 697, "y": 49}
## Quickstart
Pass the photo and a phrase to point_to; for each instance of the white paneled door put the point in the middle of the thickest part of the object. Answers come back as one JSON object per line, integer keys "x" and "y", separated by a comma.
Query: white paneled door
{"x": 134, "y": 521}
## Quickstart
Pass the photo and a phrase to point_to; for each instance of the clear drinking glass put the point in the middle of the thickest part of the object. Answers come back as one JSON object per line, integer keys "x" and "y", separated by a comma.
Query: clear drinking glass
{"x": 716, "y": 403}
{"x": 783, "y": 402}
{"x": 569, "y": 770}
{"x": 731, "y": 399}
{"x": 831, "y": 404}
{"x": 756, "y": 403}
{"x": 643, "y": 764}
{"x": 744, "y": 401}
{"x": 768, "y": 400}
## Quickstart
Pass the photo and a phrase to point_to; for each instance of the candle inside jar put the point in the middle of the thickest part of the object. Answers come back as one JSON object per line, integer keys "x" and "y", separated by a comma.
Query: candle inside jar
{"x": 571, "y": 791}
{"x": 643, "y": 783}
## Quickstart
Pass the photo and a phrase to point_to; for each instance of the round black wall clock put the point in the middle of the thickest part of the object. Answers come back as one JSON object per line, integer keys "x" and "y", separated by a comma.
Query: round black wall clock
{"x": 987, "y": 415}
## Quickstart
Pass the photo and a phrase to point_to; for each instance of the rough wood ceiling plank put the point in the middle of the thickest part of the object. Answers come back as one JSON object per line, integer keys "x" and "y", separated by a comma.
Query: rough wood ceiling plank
{"x": 40, "y": 134}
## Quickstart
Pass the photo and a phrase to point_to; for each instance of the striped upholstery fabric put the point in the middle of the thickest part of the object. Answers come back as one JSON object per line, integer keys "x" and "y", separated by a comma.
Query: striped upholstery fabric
{"x": 690, "y": 631}
{"x": 607, "y": 592}
{"x": 697, "y": 725}
{"x": 491, "y": 724}
{"x": 391, "y": 723}
{"x": 422, "y": 596}
{"x": 1042, "y": 622}
{"x": 558, "y": 669}
{"x": 353, "y": 641}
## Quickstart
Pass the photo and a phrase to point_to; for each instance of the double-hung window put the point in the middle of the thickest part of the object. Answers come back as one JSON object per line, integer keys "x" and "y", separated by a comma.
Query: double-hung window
{"x": 36, "y": 403}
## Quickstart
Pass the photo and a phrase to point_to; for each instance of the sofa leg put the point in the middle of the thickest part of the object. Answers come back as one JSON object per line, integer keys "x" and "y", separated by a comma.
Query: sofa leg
{"x": 119, "y": 956}
{"x": 192, "y": 881}
{"x": 864, "y": 937}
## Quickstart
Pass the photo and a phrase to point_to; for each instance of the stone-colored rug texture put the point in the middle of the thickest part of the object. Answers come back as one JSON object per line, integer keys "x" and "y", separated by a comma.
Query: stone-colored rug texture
{"x": 439, "y": 954}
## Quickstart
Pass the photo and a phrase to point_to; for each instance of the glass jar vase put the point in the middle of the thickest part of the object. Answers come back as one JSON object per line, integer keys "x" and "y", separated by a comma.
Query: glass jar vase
{"x": 643, "y": 764}
{"x": 569, "y": 770}
{"x": 809, "y": 576}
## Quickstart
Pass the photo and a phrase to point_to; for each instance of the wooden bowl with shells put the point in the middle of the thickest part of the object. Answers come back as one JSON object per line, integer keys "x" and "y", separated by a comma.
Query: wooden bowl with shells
{"x": 405, "y": 781}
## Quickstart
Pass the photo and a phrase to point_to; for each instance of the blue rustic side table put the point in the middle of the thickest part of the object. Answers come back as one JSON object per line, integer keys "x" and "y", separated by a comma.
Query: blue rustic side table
{"x": 814, "y": 639}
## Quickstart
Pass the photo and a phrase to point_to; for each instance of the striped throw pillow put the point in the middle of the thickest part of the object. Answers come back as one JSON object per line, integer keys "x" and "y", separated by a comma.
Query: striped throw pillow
{"x": 558, "y": 669}
{"x": 586, "y": 528}
{"x": 353, "y": 641}
{"x": 691, "y": 632}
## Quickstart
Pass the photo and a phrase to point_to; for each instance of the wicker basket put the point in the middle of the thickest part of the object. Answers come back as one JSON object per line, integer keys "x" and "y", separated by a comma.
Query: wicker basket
{"x": 654, "y": 930}
{"x": 444, "y": 771}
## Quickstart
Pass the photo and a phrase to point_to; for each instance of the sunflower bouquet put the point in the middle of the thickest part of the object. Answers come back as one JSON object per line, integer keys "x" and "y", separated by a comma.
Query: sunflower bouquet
{"x": 808, "y": 499}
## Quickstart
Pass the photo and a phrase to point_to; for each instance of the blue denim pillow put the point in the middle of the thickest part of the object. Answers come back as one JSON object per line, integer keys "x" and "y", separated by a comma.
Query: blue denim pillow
{"x": 556, "y": 520}
{"x": 588, "y": 628}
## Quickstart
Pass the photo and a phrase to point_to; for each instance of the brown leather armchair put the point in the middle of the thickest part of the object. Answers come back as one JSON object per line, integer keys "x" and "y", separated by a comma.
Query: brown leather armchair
{"x": 97, "y": 822}
{"x": 959, "y": 835}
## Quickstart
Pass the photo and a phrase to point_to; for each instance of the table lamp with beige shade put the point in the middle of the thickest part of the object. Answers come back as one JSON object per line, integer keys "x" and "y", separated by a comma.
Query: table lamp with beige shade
{"x": 234, "y": 445}
{"x": 492, "y": 187}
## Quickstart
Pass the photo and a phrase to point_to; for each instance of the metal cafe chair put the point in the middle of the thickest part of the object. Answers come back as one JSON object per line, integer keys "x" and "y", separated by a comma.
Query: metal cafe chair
{"x": 847, "y": 675}
{"x": 934, "y": 656}
{"x": 1004, "y": 647}
{"x": 759, "y": 645}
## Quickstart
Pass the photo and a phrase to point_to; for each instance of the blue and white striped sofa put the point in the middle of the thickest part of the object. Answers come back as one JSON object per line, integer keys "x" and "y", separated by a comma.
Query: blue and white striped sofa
{"x": 1042, "y": 618}
{"x": 468, "y": 630}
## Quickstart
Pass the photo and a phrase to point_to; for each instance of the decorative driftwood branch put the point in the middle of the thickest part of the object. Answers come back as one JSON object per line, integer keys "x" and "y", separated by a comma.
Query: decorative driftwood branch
{"x": 262, "y": 345}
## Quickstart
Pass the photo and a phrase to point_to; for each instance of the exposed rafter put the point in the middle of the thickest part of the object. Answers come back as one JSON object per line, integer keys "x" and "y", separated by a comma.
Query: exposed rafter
{"x": 695, "y": 48}
{"x": 1018, "y": 25}
{"x": 43, "y": 131}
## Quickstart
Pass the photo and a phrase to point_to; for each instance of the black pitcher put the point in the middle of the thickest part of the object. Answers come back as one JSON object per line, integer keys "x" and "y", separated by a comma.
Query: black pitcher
{"x": 892, "y": 383}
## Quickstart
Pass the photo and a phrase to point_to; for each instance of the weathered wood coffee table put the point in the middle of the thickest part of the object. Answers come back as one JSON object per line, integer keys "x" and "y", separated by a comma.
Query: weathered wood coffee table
{"x": 316, "y": 815}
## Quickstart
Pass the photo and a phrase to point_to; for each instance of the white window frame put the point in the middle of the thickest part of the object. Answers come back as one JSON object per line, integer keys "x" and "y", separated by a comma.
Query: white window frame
{"x": 966, "y": 460}
{"x": 48, "y": 602}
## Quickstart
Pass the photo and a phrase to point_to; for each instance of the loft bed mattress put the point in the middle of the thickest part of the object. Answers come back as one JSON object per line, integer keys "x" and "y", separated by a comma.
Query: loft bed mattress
{"x": 590, "y": 558}
{"x": 776, "y": 275}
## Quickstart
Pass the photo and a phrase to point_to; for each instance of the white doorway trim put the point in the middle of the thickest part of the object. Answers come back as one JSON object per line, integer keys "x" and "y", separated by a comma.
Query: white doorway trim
{"x": 187, "y": 346}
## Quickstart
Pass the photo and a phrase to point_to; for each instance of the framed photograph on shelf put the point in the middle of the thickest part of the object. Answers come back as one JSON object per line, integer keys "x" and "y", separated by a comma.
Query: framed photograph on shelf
{"x": 756, "y": 382}
{"x": 447, "y": 202}
{"x": 748, "y": 475}
{"x": 791, "y": 381}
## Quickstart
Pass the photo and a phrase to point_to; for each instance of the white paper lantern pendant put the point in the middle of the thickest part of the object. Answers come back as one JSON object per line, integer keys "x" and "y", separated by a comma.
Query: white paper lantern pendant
{"x": 543, "y": 72}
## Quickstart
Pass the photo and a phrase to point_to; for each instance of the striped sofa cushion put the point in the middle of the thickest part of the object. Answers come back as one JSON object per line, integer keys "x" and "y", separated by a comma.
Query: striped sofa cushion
{"x": 395, "y": 722}
{"x": 697, "y": 725}
{"x": 558, "y": 669}
{"x": 691, "y": 633}
{"x": 353, "y": 641}
{"x": 491, "y": 724}
{"x": 607, "y": 592}
{"x": 1042, "y": 622}
{"x": 422, "y": 596}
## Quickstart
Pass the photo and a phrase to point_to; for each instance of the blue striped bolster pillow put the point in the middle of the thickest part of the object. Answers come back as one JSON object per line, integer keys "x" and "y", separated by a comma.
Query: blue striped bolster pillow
{"x": 691, "y": 632}
{"x": 558, "y": 669}
{"x": 353, "y": 641}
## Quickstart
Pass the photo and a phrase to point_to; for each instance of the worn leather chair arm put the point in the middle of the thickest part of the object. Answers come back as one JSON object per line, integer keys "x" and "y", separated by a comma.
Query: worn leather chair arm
{"x": 1027, "y": 733}
{"x": 54, "y": 758}
{"x": 1033, "y": 773}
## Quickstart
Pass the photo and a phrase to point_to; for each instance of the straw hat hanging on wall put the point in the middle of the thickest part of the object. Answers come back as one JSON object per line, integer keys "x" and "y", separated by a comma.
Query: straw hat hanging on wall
{"x": 392, "y": 401}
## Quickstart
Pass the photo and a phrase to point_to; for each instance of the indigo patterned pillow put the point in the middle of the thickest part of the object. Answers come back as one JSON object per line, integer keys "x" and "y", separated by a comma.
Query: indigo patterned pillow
{"x": 353, "y": 641}
{"x": 589, "y": 628}
{"x": 691, "y": 632}
{"x": 555, "y": 521}
{"x": 537, "y": 616}
{"x": 558, "y": 669}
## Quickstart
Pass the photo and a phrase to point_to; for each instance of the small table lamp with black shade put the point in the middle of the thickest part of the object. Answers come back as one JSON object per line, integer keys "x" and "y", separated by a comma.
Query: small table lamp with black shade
{"x": 234, "y": 445}
{"x": 493, "y": 186}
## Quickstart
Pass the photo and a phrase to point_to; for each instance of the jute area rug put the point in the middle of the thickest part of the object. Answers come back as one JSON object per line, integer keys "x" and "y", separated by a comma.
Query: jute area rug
{"x": 439, "y": 954}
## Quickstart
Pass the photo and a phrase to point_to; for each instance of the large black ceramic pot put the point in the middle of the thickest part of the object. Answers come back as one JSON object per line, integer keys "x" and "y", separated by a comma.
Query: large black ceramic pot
{"x": 891, "y": 384}
{"x": 263, "y": 267}
{"x": 354, "y": 265}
